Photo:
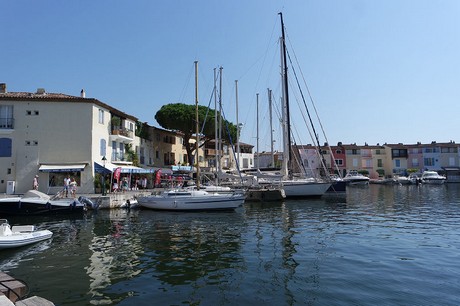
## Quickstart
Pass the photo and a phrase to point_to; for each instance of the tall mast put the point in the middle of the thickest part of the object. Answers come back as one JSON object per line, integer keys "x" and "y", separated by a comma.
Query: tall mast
{"x": 258, "y": 154}
{"x": 197, "y": 145}
{"x": 220, "y": 118}
{"x": 286, "y": 93}
{"x": 216, "y": 145}
{"x": 237, "y": 127}
{"x": 271, "y": 127}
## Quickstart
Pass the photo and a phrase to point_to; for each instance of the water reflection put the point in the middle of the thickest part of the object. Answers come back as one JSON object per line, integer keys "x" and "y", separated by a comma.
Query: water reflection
{"x": 301, "y": 252}
{"x": 114, "y": 254}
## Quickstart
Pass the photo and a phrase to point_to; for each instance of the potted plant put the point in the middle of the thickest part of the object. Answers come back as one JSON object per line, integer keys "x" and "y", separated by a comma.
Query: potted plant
{"x": 116, "y": 123}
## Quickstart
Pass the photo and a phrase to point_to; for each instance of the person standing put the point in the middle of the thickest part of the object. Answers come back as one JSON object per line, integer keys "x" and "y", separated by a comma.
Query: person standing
{"x": 35, "y": 183}
{"x": 66, "y": 185}
{"x": 73, "y": 187}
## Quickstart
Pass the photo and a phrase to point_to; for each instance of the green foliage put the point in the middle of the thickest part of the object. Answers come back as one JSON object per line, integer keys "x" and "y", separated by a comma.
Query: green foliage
{"x": 182, "y": 118}
{"x": 381, "y": 172}
{"x": 116, "y": 122}
{"x": 142, "y": 130}
{"x": 363, "y": 172}
{"x": 132, "y": 156}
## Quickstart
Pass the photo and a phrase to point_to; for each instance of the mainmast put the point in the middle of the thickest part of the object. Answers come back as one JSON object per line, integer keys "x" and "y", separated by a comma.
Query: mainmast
{"x": 197, "y": 144}
{"x": 286, "y": 94}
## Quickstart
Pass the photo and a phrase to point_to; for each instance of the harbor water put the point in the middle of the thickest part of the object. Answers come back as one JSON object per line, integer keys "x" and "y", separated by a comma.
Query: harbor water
{"x": 379, "y": 245}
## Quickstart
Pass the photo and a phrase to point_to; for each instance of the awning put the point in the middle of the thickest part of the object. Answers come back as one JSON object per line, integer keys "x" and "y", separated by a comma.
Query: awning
{"x": 101, "y": 169}
{"x": 61, "y": 168}
{"x": 131, "y": 169}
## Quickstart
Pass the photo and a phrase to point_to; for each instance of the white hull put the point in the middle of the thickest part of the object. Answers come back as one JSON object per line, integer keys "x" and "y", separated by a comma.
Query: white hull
{"x": 18, "y": 236}
{"x": 357, "y": 182}
{"x": 304, "y": 188}
{"x": 432, "y": 178}
{"x": 192, "y": 200}
{"x": 433, "y": 181}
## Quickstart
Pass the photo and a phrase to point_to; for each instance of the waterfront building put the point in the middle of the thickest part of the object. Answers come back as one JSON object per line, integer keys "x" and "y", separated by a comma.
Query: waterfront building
{"x": 53, "y": 135}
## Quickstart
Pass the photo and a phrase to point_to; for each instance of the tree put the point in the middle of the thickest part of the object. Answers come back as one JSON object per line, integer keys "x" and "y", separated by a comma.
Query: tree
{"x": 181, "y": 117}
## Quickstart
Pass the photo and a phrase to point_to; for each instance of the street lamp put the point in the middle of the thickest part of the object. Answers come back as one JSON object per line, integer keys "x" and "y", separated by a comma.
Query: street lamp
{"x": 103, "y": 176}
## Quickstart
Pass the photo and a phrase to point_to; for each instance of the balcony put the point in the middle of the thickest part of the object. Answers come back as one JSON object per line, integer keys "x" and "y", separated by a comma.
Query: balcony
{"x": 7, "y": 123}
{"x": 121, "y": 135}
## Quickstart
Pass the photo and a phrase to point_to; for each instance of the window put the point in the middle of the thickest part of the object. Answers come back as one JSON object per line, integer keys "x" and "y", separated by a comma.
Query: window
{"x": 414, "y": 162}
{"x": 103, "y": 147}
{"x": 399, "y": 153}
{"x": 368, "y": 163}
{"x": 121, "y": 147}
{"x": 451, "y": 161}
{"x": 428, "y": 161}
{"x": 379, "y": 163}
{"x": 355, "y": 162}
{"x": 397, "y": 163}
{"x": 338, "y": 151}
{"x": 6, "y": 116}
{"x": 28, "y": 113}
{"x": 339, "y": 162}
{"x": 157, "y": 154}
{"x": 5, "y": 147}
{"x": 36, "y": 113}
{"x": 114, "y": 150}
{"x": 101, "y": 116}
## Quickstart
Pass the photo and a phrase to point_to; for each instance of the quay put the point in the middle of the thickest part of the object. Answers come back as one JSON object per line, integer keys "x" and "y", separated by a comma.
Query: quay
{"x": 12, "y": 291}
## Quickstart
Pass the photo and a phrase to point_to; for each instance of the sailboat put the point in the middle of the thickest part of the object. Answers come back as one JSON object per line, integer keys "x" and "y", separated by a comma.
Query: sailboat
{"x": 301, "y": 187}
{"x": 193, "y": 199}
{"x": 264, "y": 192}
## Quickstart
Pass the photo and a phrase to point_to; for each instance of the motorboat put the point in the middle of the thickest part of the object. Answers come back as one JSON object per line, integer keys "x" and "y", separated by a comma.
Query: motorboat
{"x": 34, "y": 202}
{"x": 192, "y": 200}
{"x": 401, "y": 180}
{"x": 353, "y": 177}
{"x": 20, "y": 235}
{"x": 415, "y": 178}
{"x": 433, "y": 178}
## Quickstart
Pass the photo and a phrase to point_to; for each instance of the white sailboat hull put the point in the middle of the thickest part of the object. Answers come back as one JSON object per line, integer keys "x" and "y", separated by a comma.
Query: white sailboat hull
{"x": 192, "y": 200}
{"x": 304, "y": 188}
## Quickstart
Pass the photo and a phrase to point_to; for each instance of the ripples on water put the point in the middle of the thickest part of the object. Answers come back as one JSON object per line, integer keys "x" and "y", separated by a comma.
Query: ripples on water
{"x": 384, "y": 245}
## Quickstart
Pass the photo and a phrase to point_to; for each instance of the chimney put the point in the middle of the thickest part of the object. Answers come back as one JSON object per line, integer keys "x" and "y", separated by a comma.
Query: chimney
{"x": 82, "y": 93}
{"x": 3, "y": 88}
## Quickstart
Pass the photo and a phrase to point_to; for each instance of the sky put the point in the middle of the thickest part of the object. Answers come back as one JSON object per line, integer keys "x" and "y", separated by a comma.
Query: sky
{"x": 377, "y": 71}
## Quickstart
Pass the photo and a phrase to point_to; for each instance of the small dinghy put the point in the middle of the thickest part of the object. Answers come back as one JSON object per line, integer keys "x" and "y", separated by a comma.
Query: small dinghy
{"x": 20, "y": 235}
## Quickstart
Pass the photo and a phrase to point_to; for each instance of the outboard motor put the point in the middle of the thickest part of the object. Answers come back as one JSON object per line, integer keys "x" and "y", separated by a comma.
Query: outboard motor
{"x": 88, "y": 202}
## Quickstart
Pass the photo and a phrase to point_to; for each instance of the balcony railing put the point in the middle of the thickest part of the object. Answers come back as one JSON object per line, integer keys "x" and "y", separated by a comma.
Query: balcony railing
{"x": 6, "y": 123}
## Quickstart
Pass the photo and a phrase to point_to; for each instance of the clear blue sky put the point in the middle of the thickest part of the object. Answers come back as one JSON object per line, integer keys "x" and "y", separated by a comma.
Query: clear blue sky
{"x": 379, "y": 71}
